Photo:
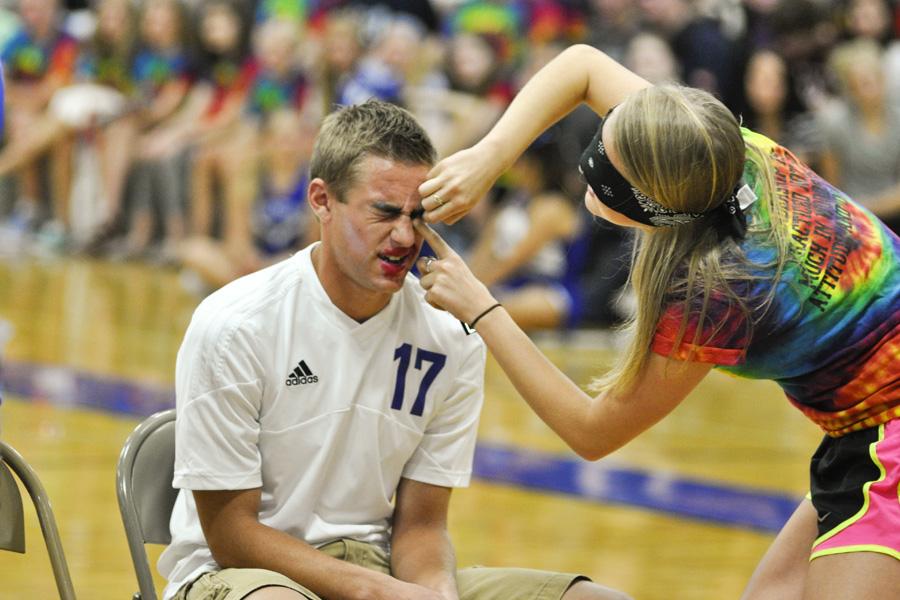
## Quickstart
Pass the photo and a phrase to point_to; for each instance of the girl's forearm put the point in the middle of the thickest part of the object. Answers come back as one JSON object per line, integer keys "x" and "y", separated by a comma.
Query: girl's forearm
{"x": 578, "y": 74}
{"x": 561, "y": 404}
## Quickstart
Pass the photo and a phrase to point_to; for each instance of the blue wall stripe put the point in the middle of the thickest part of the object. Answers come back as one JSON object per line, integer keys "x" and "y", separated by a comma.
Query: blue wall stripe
{"x": 706, "y": 501}
{"x": 725, "y": 504}
{"x": 62, "y": 386}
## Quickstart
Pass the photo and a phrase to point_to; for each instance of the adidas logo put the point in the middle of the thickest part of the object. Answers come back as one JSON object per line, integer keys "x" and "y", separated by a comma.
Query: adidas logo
{"x": 301, "y": 375}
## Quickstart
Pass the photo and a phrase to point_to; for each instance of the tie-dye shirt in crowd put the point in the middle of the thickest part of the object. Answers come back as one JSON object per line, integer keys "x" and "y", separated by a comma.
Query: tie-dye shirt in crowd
{"x": 152, "y": 70}
{"x": 109, "y": 69}
{"x": 27, "y": 59}
{"x": 270, "y": 92}
{"x": 230, "y": 80}
{"x": 831, "y": 337}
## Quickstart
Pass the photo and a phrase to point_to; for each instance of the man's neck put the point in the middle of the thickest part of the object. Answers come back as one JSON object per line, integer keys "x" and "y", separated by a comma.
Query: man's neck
{"x": 360, "y": 305}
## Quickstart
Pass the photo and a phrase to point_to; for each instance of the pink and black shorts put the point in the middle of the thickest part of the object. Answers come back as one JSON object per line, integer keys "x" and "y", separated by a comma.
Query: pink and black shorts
{"x": 855, "y": 488}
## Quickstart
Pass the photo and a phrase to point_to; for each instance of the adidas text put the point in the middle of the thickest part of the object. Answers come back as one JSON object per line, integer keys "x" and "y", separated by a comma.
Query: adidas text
{"x": 301, "y": 375}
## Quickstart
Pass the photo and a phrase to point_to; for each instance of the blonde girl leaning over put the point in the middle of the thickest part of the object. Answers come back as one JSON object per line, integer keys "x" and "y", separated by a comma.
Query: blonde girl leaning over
{"x": 746, "y": 261}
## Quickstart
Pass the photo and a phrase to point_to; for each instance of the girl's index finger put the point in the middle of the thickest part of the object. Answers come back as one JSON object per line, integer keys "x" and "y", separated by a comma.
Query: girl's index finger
{"x": 437, "y": 243}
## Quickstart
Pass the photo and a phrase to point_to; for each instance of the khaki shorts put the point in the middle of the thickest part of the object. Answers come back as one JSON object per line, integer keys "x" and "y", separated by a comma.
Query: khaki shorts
{"x": 476, "y": 583}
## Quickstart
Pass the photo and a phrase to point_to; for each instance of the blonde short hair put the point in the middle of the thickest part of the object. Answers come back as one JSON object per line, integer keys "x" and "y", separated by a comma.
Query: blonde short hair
{"x": 373, "y": 128}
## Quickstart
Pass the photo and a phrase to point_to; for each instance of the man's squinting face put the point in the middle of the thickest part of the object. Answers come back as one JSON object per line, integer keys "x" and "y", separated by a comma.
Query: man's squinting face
{"x": 371, "y": 234}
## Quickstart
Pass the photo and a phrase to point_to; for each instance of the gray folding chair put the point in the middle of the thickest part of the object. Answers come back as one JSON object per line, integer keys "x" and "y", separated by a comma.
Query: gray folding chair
{"x": 12, "y": 518}
{"x": 146, "y": 495}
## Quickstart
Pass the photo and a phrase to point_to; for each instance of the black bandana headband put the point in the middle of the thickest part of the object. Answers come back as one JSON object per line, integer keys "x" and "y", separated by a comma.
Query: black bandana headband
{"x": 613, "y": 190}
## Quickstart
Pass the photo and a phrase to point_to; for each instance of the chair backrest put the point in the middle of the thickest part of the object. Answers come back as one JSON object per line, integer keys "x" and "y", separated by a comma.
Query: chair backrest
{"x": 146, "y": 496}
{"x": 12, "y": 522}
{"x": 12, "y": 518}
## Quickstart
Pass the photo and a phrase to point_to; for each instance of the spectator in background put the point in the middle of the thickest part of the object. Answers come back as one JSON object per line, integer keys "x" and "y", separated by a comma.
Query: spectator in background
{"x": 278, "y": 87}
{"x": 873, "y": 19}
{"x": 803, "y": 34}
{"x": 648, "y": 55}
{"x": 108, "y": 61}
{"x": 162, "y": 77}
{"x": 475, "y": 66}
{"x": 459, "y": 103}
{"x": 611, "y": 26}
{"x": 214, "y": 104}
{"x": 523, "y": 251}
{"x": 870, "y": 19}
{"x": 387, "y": 66}
{"x": 227, "y": 76}
{"x": 862, "y": 132}
{"x": 279, "y": 81}
{"x": 772, "y": 110}
{"x": 97, "y": 106}
{"x": 422, "y": 11}
{"x": 481, "y": 88}
{"x": 341, "y": 47}
{"x": 598, "y": 257}
{"x": 500, "y": 22}
{"x": 296, "y": 11}
{"x": 230, "y": 155}
{"x": 758, "y": 32}
{"x": 708, "y": 59}
{"x": 277, "y": 223}
{"x": 38, "y": 61}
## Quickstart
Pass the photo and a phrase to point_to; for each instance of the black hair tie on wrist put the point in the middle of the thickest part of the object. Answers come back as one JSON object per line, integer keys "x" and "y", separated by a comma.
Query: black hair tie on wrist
{"x": 486, "y": 311}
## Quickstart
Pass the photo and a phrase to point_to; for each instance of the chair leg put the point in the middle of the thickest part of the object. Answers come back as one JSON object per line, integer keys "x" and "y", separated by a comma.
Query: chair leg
{"x": 45, "y": 517}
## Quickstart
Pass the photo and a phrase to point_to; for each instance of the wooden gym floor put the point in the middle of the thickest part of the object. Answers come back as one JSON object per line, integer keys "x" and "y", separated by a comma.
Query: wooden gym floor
{"x": 685, "y": 511}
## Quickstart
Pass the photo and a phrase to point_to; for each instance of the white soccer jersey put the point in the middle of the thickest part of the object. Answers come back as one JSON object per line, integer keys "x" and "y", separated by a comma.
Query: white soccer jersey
{"x": 279, "y": 389}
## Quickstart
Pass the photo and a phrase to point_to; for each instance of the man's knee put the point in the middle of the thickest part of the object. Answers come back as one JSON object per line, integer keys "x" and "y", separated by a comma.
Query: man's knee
{"x": 274, "y": 593}
{"x": 588, "y": 590}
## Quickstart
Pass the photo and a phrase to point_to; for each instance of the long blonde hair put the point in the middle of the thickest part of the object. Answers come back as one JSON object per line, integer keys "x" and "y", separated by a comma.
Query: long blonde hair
{"x": 684, "y": 148}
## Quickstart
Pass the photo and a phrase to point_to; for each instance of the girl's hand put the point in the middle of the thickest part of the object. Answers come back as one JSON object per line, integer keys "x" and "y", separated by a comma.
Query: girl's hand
{"x": 448, "y": 282}
{"x": 458, "y": 182}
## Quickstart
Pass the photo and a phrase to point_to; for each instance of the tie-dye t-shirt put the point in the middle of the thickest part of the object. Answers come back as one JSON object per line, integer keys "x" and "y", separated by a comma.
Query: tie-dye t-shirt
{"x": 27, "y": 59}
{"x": 229, "y": 79}
{"x": 105, "y": 69}
{"x": 152, "y": 70}
{"x": 269, "y": 92}
{"x": 831, "y": 337}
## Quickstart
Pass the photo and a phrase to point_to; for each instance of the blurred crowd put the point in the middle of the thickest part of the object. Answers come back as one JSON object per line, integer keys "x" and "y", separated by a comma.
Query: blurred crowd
{"x": 177, "y": 131}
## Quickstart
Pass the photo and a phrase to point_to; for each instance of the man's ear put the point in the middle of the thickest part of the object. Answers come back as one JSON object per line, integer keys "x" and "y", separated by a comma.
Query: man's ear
{"x": 320, "y": 199}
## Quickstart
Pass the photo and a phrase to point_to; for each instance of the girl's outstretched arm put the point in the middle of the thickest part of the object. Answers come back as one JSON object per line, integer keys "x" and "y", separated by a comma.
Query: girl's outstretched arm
{"x": 592, "y": 426}
{"x": 579, "y": 74}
